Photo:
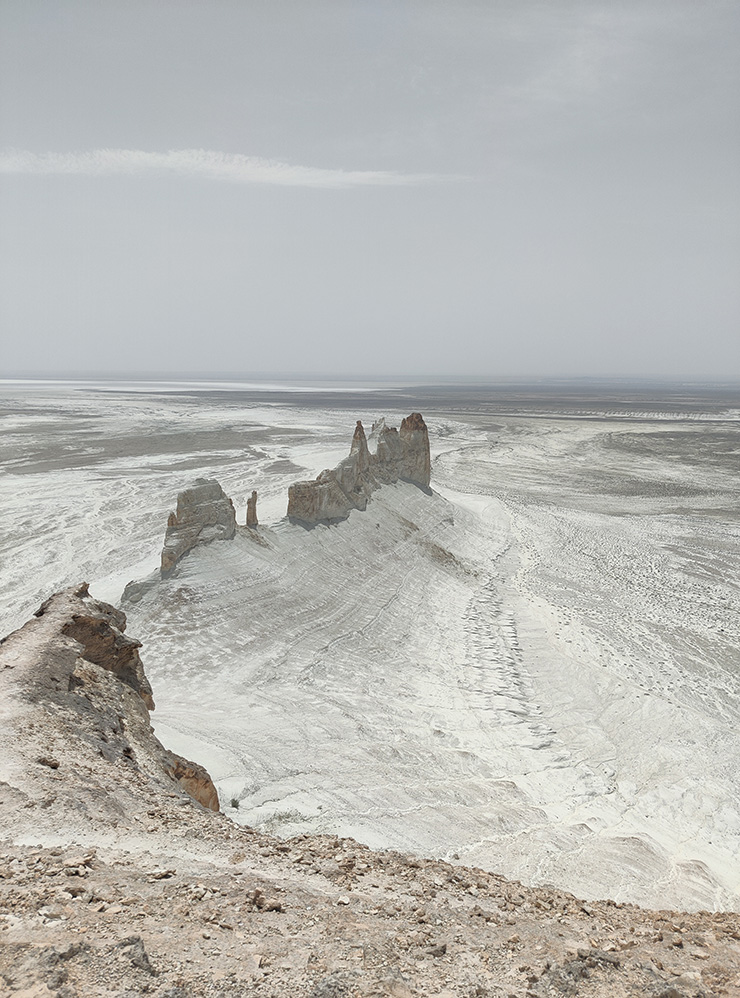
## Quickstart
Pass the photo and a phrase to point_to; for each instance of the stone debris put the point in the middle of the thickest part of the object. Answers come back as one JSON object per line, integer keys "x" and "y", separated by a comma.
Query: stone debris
{"x": 219, "y": 934}
{"x": 133, "y": 948}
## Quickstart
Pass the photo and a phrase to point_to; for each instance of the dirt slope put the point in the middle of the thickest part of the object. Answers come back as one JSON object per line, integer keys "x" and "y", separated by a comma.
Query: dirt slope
{"x": 115, "y": 881}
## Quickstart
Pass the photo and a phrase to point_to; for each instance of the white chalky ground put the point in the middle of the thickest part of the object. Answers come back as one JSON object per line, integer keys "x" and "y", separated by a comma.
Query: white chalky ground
{"x": 536, "y": 669}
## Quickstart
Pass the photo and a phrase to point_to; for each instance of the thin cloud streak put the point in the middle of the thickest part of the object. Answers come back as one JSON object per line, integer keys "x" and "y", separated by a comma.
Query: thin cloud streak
{"x": 203, "y": 163}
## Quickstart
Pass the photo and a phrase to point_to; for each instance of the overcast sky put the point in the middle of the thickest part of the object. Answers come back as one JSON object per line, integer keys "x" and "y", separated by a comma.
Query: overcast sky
{"x": 368, "y": 187}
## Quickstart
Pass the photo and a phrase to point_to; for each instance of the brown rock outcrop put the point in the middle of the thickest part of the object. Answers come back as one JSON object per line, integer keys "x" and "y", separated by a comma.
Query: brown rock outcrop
{"x": 335, "y": 493}
{"x": 204, "y": 514}
{"x": 105, "y": 644}
{"x": 193, "y": 779}
{"x": 74, "y": 662}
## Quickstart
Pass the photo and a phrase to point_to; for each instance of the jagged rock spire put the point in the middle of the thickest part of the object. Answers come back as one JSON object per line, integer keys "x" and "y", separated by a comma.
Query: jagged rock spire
{"x": 252, "y": 520}
{"x": 336, "y": 492}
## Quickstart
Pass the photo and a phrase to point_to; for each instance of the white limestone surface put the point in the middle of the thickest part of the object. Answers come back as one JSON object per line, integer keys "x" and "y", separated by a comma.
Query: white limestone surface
{"x": 535, "y": 669}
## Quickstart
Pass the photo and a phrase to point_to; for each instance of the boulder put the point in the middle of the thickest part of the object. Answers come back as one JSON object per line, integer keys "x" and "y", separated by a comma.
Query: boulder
{"x": 192, "y": 778}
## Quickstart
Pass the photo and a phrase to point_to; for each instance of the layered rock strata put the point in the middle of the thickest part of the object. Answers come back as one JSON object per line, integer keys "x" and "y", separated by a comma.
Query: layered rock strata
{"x": 204, "y": 514}
{"x": 397, "y": 455}
{"x": 74, "y": 663}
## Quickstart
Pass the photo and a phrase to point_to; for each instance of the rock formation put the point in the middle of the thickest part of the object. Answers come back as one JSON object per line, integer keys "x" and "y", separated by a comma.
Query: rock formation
{"x": 204, "y": 514}
{"x": 74, "y": 661}
{"x": 335, "y": 493}
{"x": 101, "y": 635}
{"x": 192, "y": 778}
{"x": 252, "y": 520}
{"x": 417, "y": 465}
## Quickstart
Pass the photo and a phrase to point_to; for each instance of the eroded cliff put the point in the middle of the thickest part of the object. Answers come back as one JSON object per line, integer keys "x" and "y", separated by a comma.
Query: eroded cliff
{"x": 397, "y": 455}
{"x": 73, "y": 661}
{"x": 204, "y": 514}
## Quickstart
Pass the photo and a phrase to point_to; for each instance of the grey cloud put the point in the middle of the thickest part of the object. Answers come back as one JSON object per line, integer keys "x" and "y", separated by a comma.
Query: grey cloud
{"x": 205, "y": 163}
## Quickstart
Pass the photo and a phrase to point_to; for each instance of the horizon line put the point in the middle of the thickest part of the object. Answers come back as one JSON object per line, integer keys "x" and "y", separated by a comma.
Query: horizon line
{"x": 401, "y": 379}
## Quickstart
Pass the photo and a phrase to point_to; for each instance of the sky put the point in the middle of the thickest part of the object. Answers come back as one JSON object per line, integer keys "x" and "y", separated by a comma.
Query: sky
{"x": 360, "y": 187}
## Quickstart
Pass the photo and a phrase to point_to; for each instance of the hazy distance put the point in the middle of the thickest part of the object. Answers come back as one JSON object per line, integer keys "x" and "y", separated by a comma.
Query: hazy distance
{"x": 410, "y": 188}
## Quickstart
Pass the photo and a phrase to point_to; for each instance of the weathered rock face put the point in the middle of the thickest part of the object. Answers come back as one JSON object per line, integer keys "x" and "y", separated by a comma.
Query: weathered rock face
{"x": 101, "y": 635}
{"x": 336, "y": 492}
{"x": 204, "y": 514}
{"x": 192, "y": 778}
{"x": 252, "y": 520}
{"x": 417, "y": 463}
{"x": 74, "y": 662}
{"x": 388, "y": 451}
{"x": 359, "y": 449}
{"x": 322, "y": 500}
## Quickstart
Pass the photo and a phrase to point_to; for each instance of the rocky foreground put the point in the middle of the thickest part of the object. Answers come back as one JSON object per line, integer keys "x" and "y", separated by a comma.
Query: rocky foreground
{"x": 116, "y": 878}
